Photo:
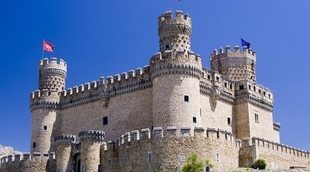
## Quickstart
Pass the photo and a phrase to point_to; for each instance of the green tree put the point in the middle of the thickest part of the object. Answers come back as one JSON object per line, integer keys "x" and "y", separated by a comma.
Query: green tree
{"x": 193, "y": 164}
{"x": 259, "y": 164}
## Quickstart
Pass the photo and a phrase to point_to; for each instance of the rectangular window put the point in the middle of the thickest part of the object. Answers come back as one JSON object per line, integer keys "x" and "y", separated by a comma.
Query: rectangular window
{"x": 194, "y": 120}
{"x": 186, "y": 98}
{"x": 105, "y": 120}
{"x": 256, "y": 118}
{"x": 228, "y": 121}
{"x": 44, "y": 128}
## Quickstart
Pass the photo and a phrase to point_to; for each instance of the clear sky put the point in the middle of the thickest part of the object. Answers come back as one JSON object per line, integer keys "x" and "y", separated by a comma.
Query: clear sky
{"x": 106, "y": 37}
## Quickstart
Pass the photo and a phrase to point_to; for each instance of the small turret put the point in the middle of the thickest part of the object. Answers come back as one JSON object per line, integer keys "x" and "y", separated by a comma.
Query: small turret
{"x": 236, "y": 64}
{"x": 174, "y": 31}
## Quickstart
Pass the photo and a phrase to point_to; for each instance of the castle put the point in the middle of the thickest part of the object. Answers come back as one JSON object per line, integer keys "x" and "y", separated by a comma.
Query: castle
{"x": 154, "y": 117}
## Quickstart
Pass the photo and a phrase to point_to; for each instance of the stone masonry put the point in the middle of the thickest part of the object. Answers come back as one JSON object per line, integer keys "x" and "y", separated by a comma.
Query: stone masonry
{"x": 156, "y": 116}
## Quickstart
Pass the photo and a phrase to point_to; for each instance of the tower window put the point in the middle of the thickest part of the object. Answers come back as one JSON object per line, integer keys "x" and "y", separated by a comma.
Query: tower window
{"x": 228, "y": 121}
{"x": 149, "y": 156}
{"x": 105, "y": 120}
{"x": 194, "y": 120}
{"x": 186, "y": 98}
{"x": 256, "y": 118}
{"x": 241, "y": 87}
{"x": 209, "y": 77}
{"x": 167, "y": 47}
{"x": 44, "y": 128}
{"x": 34, "y": 144}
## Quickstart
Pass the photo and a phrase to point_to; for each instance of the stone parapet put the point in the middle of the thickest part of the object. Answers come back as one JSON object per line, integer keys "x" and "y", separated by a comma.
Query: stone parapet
{"x": 65, "y": 139}
{"x": 92, "y": 135}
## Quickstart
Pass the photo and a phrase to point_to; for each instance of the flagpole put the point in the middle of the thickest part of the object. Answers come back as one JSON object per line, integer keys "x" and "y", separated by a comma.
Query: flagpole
{"x": 42, "y": 55}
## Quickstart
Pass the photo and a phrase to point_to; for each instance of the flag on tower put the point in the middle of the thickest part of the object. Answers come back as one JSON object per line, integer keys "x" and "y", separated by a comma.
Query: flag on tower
{"x": 245, "y": 43}
{"x": 48, "y": 46}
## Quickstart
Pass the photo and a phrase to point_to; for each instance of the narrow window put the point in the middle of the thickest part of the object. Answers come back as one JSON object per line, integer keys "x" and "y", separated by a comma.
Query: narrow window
{"x": 34, "y": 144}
{"x": 209, "y": 77}
{"x": 228, "y": 121}
{"x": 149, "y": 156}
{"x": 230, "y": 86}
{"x": 217, "y": 157}
{"x": 200, "y": 112}
{"x": 186, "y": 98}
{"x": 194, "y": 120}
{"x": 256, "y": 118}
{"x": 110, "y": 163}
{"x": 217, "y": 78}
{"x": 225, "y": 84}
{"x": 167, "y": 47}
{"x": 241, "y": 87}
{"x": 44, "y": 128}
{"x": 105, "y": 120}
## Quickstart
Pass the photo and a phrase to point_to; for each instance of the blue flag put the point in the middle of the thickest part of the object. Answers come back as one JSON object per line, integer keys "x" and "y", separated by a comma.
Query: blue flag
{"x": 245, "y": 43}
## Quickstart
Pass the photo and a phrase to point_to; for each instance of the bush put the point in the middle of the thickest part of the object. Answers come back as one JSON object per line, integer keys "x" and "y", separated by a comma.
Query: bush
{"x": 259, "y": 164}
{"x": 193, "y": 164}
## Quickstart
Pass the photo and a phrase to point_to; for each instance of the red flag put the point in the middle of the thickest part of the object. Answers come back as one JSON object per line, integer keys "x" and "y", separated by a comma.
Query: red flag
{"x": 48, "y": 46}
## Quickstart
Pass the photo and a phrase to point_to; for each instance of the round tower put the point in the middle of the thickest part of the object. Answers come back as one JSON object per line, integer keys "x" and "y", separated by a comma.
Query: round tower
{"x": 44, "y": 103}
{"x": 64, "y": 145}
{"x": 175, "y": 74}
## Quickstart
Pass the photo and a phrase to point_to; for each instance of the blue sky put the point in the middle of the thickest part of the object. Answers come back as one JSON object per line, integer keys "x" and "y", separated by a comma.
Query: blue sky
{"x": 101, "y": 38}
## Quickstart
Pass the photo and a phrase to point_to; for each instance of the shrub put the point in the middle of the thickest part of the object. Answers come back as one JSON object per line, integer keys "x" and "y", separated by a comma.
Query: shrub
{"x": 259, "y": 164}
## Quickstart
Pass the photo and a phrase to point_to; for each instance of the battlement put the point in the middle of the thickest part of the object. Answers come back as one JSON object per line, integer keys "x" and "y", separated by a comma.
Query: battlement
{"x": 18, "y": 158}
{"x": 172, "y": 131}
{"x": 216, "y": 79}
{"x": 234, "y": 52}
{"x": 176, "y": 55}
{"x": 168, "y": 18}
{"x": 65, "y": 139}
{"x": 92, "y": 135}
{"x": 121, "y": 82}
{"x": 254, "y": 89}
{"x": 279, "y": 147}
{"x": 52, "y": 63}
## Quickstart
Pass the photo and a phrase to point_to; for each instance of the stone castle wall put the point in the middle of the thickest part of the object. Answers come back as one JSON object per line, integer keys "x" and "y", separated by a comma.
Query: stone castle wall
{"x": 28, "y": 163}
{"x": 277, "y": 156}
{"x": 164, "y": 150}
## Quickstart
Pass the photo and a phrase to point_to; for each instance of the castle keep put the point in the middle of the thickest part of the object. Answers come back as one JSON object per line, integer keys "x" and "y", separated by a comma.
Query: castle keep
{"x": 154, "y": 117}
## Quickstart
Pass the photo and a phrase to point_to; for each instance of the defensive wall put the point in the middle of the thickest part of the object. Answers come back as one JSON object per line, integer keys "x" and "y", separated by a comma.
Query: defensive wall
{"x": 277, "y": 156}
{"x": 167, "y": 149}
{"x": 28, "y": 162}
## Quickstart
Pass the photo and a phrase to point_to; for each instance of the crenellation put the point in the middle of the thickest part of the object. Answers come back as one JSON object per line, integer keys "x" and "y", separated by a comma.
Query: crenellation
{"x": 178, "y": 106}
{"x": 135, "y": 135}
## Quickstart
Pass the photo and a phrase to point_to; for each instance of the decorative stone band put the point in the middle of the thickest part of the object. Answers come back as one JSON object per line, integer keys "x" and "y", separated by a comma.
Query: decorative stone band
{"x": 255, "y": 101}
{"x": 172, "y": 69}
{"x": 92, "y": 135}
{"x": 279, "y": 147}
{"x": 65, "y": 139}
{"x": 44, "y": 105}
{"x": 53, "y": 72}
{"x": 175, "y": 28}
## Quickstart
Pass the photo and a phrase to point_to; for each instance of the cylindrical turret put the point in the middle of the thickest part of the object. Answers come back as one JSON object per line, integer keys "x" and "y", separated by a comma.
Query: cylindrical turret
{"x": 174, "y": 31}
{"x": 44, "y": 103}
{"x": 175, "y": 73}
{"x": 90, "y": 149}
{"x": 63, "y": 152}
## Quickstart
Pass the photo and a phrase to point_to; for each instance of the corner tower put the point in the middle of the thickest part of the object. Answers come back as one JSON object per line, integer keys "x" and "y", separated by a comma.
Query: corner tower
{"x": 44, "y": 103}
{"x": 237, "y": 64}
{"x": 175, "y": 73}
